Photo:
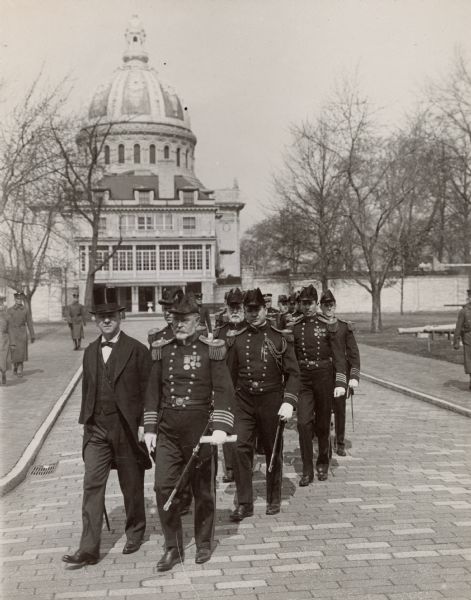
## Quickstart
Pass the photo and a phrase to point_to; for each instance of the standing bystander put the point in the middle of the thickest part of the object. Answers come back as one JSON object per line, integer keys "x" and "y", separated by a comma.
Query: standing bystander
{"x": 463, "y": 332}
{"x": 20, "y": 320}
{"x": 76, "y": 319}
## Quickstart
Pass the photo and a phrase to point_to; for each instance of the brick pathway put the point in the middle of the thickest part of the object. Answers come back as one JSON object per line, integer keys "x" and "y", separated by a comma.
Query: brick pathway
{"x": 393, "y": 523}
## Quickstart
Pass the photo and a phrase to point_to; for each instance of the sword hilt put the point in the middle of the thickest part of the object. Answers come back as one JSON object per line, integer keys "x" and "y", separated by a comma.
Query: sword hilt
{"x": 206, "y": 439}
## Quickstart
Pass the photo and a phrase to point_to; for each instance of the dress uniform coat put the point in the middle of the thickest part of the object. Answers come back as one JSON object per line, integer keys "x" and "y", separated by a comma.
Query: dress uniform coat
{"x": 155, "y": 335}
{"x": 352, "y": 354}
{"x": 112, "y": 410}
{"x": 20, "y": 320}
{"x": 265, "y": 374}
{"x": 76, "y": 317}
{"x": 188, "y": 380}
{"x": 322, "y": 362}
{"x": 463, "y": 332}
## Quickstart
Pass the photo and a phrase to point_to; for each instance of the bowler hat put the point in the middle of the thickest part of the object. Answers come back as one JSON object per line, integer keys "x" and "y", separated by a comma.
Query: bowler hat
{"x": 105, "y": 300}
{"x": 327, "y": 297}
{"x": 254, "y": 298}
{"x": 184, "y": 304}
{"x": 235, "y": 296}
{"x": 308, "y": 293}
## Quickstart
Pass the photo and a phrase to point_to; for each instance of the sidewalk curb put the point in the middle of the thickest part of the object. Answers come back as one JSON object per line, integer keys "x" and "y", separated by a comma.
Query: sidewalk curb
{"x": 19, "y": 471}
{"x": 418, "y": 395}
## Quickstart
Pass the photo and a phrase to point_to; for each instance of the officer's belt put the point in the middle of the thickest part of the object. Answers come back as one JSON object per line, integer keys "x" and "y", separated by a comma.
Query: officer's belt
{"x": 315, "y": 364}
{"x": 260, "y": 387}
{"x": 184, "y": 402}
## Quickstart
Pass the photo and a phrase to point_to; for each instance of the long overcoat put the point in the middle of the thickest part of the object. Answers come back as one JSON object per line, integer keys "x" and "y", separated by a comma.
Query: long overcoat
{"x": 5, "y": 352}
{"x": 132, "y": 369}
{"x": 463, "y": 332}
{"x": 76, "y": 316}
{"x": 20, "y": 320}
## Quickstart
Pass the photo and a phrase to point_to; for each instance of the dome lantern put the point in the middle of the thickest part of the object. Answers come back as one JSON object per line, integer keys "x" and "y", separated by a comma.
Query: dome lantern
{"x": 135, "y": 37}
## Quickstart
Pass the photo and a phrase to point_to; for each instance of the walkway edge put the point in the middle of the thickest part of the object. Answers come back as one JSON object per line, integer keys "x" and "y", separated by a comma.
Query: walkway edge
{"x": 19, "y": 471}
{"x": 418, "y": 395}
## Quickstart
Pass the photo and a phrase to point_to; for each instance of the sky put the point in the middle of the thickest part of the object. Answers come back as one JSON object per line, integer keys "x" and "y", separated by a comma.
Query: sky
{"x": 246, "y": 69}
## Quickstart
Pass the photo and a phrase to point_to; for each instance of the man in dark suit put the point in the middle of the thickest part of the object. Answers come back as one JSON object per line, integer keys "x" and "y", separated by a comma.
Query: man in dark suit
{"x": 116, "y": 368}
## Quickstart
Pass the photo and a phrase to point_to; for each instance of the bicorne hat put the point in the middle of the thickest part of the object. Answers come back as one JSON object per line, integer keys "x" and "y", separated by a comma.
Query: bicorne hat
{"x": 327, "y": 297}
{"x": 105, "y": 300}
{"x": 308, "y": 293}
{"x": 184, "y": 304}
{"x": 254, "y": 298}
{"x": 235, "y": 296}
{"x": 168, "y": 297}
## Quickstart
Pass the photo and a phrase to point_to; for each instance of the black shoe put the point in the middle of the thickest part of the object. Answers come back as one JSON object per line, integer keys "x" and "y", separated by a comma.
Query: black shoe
{"x": 169, "y": 560}
{"x": 228, "y": 477}
{"x": 272, "y": 509}
{"x": 80, "y": 559}
{"x": 322, "y": 473}
{"x": 131, "y": 547}
{"x": 306, "y": 480}
{"x": 341, "y": 451}
{"x": 241, "y": 512}
{"x": 202, "y": 555}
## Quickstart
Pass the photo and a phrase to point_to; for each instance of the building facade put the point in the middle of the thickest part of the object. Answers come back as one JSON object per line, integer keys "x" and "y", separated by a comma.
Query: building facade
{"x": 162, "y": 227}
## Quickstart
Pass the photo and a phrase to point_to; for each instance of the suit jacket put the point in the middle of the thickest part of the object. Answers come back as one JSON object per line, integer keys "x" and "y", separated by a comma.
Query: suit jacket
{"x": 132, "y": 369}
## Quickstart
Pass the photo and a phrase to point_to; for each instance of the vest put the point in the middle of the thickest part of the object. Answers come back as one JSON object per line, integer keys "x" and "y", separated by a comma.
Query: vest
{"x": 105, "y": 402}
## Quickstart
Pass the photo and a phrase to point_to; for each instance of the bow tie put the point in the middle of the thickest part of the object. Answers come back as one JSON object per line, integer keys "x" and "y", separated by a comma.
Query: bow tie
{"x": 107, "y": 344}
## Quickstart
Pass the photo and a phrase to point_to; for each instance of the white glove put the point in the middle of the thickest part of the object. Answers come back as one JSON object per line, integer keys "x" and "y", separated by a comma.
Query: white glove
{"x": 150, "y": 439}
{"x": 218, "y": 437}
{"x": 140, "y": 434}
{"x": 286, "y": 411}
{"x": 338, "y": 391}
{"x": 210, "y": 336}
{"x": 353, "y": 383}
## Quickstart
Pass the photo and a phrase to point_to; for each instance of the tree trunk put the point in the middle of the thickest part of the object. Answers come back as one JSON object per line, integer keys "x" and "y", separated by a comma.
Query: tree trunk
{"x": 376, "y": 322}
{"x": 92, "y": 262}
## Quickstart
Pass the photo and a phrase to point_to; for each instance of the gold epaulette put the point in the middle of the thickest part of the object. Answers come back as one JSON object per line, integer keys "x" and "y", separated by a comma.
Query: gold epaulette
{"x": 157, "y": 348}
{"x": 217, "y": 348}
{"x": 286, "y": 333}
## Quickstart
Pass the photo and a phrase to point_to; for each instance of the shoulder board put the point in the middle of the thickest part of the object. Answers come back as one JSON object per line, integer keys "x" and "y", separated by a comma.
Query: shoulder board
{"x": 286, "y": 333}
{"x": 157, "y": 346}
{"x": 217, "y": 348}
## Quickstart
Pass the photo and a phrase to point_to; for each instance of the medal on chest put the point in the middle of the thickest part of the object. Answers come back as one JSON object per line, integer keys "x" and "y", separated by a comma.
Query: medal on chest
{"x": 191, "y": 361}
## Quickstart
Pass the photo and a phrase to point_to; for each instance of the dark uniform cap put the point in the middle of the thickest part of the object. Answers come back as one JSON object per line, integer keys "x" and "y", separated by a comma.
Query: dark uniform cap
{"x": 308, "y": 293}
{"x": 254, "y": 298}
{"x": 184, "y": 304}
{"x": 235, "y": 296}
{"x": 167, "y": 297}
{"x": 267, "y": 296}
{"x": 293, "y": 297}
{"x": 105, "y": 300}
{"x": 283, "y": 298}
{"x": 327, "y": 297}
{"x": 17, "y": 295}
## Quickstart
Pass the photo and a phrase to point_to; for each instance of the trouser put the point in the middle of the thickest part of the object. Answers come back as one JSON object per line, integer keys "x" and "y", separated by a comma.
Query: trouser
{"x": 257, "y": 416}
{"x": 109, "y": 445}
{"x": 313, "y": 414}
{"x": 179, "y": 432}
{"x": 228, "y": 451}
{"x": 340, "y": 407}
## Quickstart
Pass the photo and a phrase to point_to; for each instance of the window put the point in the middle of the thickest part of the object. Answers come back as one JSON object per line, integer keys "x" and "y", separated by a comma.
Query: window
{"x": 122, "y": 259}
{"x": 102, "y": 224}
{"x": 145, "y": 222}
{"x": 121, "y": 153}
{"x": 146, "y": 258}
{"x": 83, "y": 258}
{"x": 192, "y": 258}
{"x": 178, "y": 157}
{"x": 186, "y": 159}
{"x": 189, "y": 222}
{"x": 152, "y": 154}
{"x": 143, "y": 196}
{"x": 107, "y": 155}
{"x": 208, "y": 257}
{"x": 102, "y": 253}
{"x": 169, "y": 258}
{"x": 137, "y": 153}
{"x": 188, "y": 198}
{"x": 164, "y": 221}
{"x": 128, "y": 222}
{"x": 166, "y": 152}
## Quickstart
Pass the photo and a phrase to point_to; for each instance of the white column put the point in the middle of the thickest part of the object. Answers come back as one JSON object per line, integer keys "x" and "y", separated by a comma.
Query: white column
{"x": 134, "y": 299}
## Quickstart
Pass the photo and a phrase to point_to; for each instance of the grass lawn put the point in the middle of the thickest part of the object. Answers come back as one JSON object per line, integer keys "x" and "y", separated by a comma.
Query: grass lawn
{"x": 440, "y": 348}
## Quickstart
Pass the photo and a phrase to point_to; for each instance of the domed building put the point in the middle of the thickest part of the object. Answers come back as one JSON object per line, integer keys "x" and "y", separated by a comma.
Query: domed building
{"x": 163, "y": 227}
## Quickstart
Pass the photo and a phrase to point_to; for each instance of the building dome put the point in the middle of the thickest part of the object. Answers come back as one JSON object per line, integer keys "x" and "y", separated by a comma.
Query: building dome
{"x": 135, "y": 93}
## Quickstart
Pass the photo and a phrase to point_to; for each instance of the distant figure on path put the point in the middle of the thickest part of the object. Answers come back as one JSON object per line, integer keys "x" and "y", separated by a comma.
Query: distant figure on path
{"x": 76, "y": 320}
{"x": 5, "y": 344}
{"x": 20, "y": 319}
{"x": 463, "y": 332}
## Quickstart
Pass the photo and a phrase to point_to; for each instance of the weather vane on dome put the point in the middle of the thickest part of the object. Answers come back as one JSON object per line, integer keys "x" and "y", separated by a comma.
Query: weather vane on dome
{"x": 135, "y": 37}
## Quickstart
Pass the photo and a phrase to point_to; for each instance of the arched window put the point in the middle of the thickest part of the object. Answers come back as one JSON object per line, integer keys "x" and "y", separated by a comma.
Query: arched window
{"x": 178, "y": 157}
{"x": 152, "y": 154}
{"x": 186, "y": 159}
{"x": 107, "y": 155}
{"x": 121, "y": 153}
{"x": 166, "y": 152}
{"x": 137, "y": 153}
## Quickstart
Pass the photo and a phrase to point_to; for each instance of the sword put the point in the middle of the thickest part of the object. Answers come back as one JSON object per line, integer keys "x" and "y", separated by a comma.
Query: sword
{"x": 350, "y": 393}
{"x": 106, "y": 518}
{"x": 278, "y": 435}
